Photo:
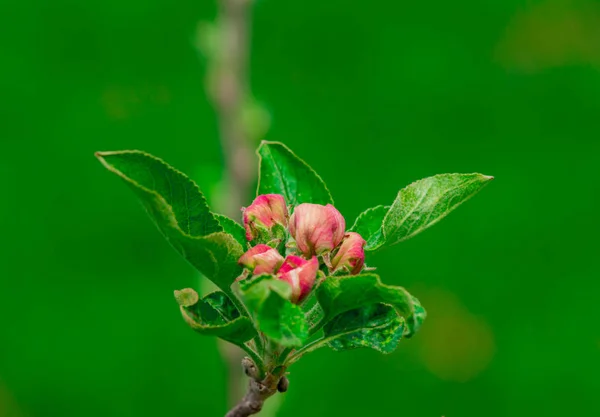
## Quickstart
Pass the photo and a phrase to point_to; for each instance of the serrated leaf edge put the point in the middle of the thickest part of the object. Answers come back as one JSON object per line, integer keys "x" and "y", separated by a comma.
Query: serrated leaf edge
{"x": 101, "y": 155}
{"x": 218, "y": 218}
{"x": 381, "y": 326}
{"x": 324, "y": 341}
{"x": 486, "y": 177}
{"x": 364, "y": 213}
{"x": 265, "y": 142}
{"x": 210, "y": 237}
{"x": 378, "y": 284}
{"x": 199, "y": 326}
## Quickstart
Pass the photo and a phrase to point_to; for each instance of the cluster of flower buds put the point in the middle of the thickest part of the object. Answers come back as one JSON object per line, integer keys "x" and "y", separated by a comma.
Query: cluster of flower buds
{"x": 312, "y": 239}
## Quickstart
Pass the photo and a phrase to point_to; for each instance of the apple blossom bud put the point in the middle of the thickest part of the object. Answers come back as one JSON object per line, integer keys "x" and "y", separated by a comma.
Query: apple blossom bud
{"x": 266, "y": 218}
{"x": 351, "y": 254}
{"x": 300, "y": 274}
{"x": 316, "y": 228}
{"x": 261, "y": 259}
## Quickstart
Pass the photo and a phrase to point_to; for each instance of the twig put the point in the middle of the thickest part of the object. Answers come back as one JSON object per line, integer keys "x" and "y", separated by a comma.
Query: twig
{"x": 258, "y": 390}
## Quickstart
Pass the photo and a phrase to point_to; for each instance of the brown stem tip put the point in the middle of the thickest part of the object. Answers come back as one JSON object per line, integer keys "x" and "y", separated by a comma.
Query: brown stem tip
{"x": 258, "y": 390}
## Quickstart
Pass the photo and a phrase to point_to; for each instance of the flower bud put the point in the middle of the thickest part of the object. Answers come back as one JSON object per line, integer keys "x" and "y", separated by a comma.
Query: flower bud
{"x": 351, "y": 254}
{"x": 283, "y": 384}
{"x": 261, "y": 259}
{"x": 300, "y": 274}
{"x": 317, "y": 229}
{"x": 266, "y": 218}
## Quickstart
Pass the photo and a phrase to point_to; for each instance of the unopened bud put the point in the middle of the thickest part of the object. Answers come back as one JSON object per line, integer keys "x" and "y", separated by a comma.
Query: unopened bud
{"x": 283, "y": 384}
{"x": 266, "y": 218}
{"x": 351, "y": 255}
{"x": 261, "y": 259}
{"x": 317, "y": 229}
{"x": 300, "y": 274}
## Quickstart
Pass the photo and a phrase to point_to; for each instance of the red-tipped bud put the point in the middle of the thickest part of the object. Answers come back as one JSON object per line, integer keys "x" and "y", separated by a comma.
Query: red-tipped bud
{"x": 266, "y": 213}
{"x": 300, "y": 274}
{"x": 261, "y": 259}
{"x": 317, "y": 229}
{"x": 351, "y": 255}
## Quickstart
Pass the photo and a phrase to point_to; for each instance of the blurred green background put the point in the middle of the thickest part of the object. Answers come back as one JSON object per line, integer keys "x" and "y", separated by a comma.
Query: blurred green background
{"x": 374, "y": 95}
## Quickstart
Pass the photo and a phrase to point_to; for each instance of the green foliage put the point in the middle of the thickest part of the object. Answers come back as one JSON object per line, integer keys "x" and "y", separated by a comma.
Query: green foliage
{"x": 268, "y": 300}
{"x": 282, "y": 172}
{"x": 417, "y": 207}
{"x": 415, "y": 320}
{"x": 172, "y": 199}
{"x": 215, "y": 315}
{"x": 180, "y": 212}
{"x": 352, "y": 311}
{"x": 340, "y": 294}
{"x": 425, "y": 202}
{"x": 376, "y": 326}
{"x": 369, "y": 224}
{"x": 234, "y": 229}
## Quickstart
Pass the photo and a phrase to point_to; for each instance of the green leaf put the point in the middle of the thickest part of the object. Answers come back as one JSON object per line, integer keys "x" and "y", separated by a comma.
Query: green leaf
{"x": 376, "y": 326}
{"x": 344, "y": 293}
{"x": 425, "y": 202}
{"x": 215, "y": 256}
{"x": 233, "y": 228}
{"x": 186, "y": 297}
{"x": 282, "y": 172}
{"x": 171, "y": 198}
{"x": 277, "y": 317}
{"x": 179, "y": 210}
{"x": 414, "y": 322}
{"x": 215, "y": 315}
{"x": 312, "y": 309}
{"x": 369, "y": 225}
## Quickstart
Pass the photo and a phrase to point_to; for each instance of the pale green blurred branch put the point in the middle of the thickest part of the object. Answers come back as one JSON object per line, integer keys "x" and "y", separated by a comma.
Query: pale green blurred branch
{"x": 242, "y": 122}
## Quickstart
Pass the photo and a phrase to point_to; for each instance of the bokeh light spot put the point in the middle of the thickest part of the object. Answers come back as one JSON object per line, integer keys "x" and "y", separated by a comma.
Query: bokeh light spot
{"x": 551, "y": 34}
{"x": 455, "y": 344}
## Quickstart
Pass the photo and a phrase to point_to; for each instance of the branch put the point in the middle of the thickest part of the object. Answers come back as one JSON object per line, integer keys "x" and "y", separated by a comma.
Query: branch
{"x": 230, "y": 93}
{"x": 227, "y": 84}
{"x": 258, "y": 390}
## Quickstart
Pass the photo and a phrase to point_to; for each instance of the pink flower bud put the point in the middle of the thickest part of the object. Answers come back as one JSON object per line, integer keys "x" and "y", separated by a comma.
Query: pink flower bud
{"x": 262, "y": 259}
{"x": 300, "y": 274}
{"x": 317, "y": 229}
{"x": 351, "y": 254}
{"x": 265, "y": 212}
